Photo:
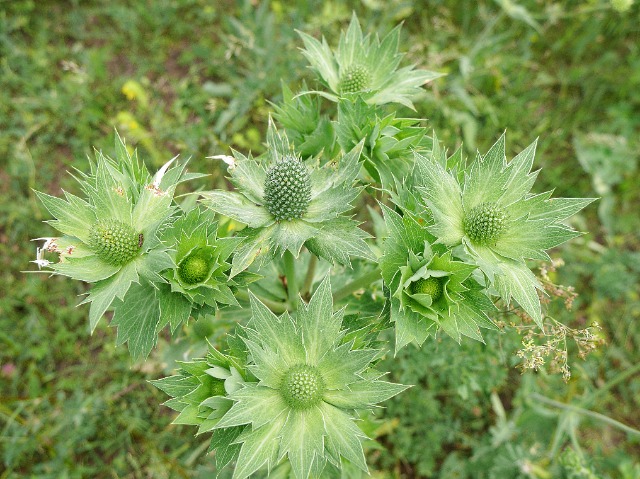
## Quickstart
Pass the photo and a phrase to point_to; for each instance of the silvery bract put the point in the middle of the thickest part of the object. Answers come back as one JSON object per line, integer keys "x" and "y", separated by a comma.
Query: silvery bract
{"x": 429, "y": 288}
{"x": 309, "y": 383}
{"x": 366, "y": 66}
{"x": 287, "y": 204}
{"x": 493, "y": 215}
{"x": 110, "y": 238}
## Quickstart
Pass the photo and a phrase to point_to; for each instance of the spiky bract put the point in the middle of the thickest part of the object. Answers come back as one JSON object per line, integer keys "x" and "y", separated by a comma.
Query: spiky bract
{"x": 287, "y": 204}
{"x": 309, "y": 383}
{"x": 496, "y": 219}
{"x": 429, "y": 288}
{"x": 198, "y": 280}
{"x": 365, "y": 65}
{"x": 110, "y": 239}
{"x": 199, "y": 392}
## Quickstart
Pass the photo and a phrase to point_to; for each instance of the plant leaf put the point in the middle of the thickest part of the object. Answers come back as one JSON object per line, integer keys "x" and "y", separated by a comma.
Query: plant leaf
{"x": 136, "y": 316}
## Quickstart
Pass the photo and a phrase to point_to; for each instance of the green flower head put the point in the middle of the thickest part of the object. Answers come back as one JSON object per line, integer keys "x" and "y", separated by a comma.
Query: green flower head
{"x": 429, "y": 289}
{"x": 287, "y": 204}
{"x": 310, "y": 382}
{"x": 365, "y": 65}
{"x": 497, "y": 220}
{"x": 110, "y": 236}
{"x": 198, "y": 280}
{"x": 199, "y": 392}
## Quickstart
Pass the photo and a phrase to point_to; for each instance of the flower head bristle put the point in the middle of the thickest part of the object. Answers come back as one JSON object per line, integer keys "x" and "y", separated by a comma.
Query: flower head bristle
{"x": 302, "y": 387}
{"x": 354, "y": 79}
{"x": 287, "y": 189}
{"x": 114, "y": 242}
{"x": 194, "y": 268}
{"x": 431, "y": 286}
{"x": 485, "y": 223}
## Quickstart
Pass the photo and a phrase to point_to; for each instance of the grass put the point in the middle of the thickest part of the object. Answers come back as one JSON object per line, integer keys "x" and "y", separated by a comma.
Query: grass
{"x": 195, "y": 78}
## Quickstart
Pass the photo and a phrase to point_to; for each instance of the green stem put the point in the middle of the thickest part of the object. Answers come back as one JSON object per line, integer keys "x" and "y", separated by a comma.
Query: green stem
{"x": 308, "y": 279}
{"x": 359, "y": 283}
{"x": 586, "y": 412}
{"x": 290, "y": 273}
{"x": 275, "y": 306}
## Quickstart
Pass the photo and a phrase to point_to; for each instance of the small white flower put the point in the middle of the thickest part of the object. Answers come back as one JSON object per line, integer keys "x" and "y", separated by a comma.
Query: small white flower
{"x": 40, "y": 260}
{"x": 229, "y": 160}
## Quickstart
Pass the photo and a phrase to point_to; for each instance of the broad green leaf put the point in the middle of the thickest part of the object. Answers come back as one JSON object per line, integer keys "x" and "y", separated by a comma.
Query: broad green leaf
{"x": 257, "y": 242}
{"x": 176, "y": 386}
{"x": 106, "y": 291}
{"x": 278, "y": 333}
{"x": 410, "y": 326}
{"x": 222, "y": 441}
{"x": 175, "y": 309}
{"x": 343, "y": 436}
{"x": 320, "y": 327}
{"x": 330, "y": 203}
{"x": 86, "y": 268}
{"x": 486, "y": 179}
{"x": 444, "y": 198}
{"x": 302, "y": 440}
{"x": 291, "y": 235}
{"x": 320, "y": 57}
{"x": 151, "y": 208}
{"x": 249, "y": 177}
{"x": 342, "y": 366}
{"x": 136, "y": 316}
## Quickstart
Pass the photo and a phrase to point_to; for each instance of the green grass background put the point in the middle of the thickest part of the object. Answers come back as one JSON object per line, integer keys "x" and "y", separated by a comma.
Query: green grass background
{"x": 194, "y": 77}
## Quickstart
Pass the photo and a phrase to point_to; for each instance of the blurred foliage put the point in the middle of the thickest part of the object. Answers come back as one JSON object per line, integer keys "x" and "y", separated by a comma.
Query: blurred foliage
{"x": 194, "y": 77}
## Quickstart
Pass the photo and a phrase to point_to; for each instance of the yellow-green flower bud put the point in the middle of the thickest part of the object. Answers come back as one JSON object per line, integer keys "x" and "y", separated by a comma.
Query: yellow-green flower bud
{"x": 485, "y": 223}
{"x": 354, "y": 79}
{"x": 302, "y": 387}
{"x": 114, "y": 242}
{"x": 431, "y": 286}
{"x": 287, "y": 189}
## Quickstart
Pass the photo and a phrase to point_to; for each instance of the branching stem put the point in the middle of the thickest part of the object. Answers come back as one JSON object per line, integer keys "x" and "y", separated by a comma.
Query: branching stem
{"x": 290, "y": 273}
{"x": 358, "y": 283}
{"x": 308, "y": 279}
{"x": 275, "y": 306}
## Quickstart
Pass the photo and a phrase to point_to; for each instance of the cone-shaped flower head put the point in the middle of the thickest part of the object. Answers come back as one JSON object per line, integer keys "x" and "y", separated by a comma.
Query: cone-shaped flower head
{"x": 287, "y": 204}
{"x": 114, "y": 242}
{"x": 287, "y": 189}
{"x": 310, "y": 382}
{"x": 365, "y": 65}
{"x": 429, "y": 289}
{"x": 496, "y": 218}
{"x": 198, "y": 280}
{"x": 110, "y": 237}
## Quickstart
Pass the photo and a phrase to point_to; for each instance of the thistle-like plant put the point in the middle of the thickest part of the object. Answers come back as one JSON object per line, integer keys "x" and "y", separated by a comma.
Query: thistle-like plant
{"x": 199, "y": 392}
{"x": 364, "y": 65}
{"x": 110, "y": 239}
{"x": 287, "y": 204}
{"x": 429, "y": 288}
{"x": 288, "y": 390}
{"x": 496, "y": 219}
{"x": 198, "y": 281}
{"x": 309, "y": 384}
